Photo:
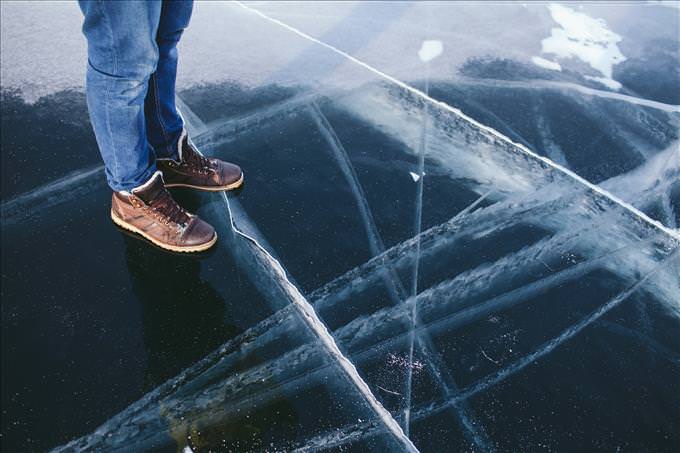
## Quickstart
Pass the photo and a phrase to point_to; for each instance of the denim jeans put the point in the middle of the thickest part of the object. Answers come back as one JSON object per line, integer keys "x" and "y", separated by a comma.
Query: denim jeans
{"x": 131, "y": 73}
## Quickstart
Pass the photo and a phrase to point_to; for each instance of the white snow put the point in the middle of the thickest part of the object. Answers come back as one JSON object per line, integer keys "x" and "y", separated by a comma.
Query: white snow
{"x": 585, "y": 38}
{"x": 430, "y": 50}
{"x": 609, "y": 83}
{"x": 547, "y": 64}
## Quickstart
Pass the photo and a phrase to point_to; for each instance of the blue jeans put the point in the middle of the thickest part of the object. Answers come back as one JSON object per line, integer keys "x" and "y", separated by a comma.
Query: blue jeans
{"x": 131, "y": 73}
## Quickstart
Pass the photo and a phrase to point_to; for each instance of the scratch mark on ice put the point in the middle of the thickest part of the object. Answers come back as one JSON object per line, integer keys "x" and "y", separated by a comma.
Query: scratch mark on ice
{"x": 488, "y": 358}
{"x": 388, "y": 391}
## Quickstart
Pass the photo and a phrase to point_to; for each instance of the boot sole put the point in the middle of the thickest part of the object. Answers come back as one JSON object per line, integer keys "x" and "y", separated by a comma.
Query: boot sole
{"x": 187, "y": 249}
{"x": 232, "y": 186}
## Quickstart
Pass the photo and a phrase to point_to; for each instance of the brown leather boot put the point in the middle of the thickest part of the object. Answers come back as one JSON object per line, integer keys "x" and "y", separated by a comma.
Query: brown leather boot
{"x": 150, "y": 211}
{"x": 199, "y": 172}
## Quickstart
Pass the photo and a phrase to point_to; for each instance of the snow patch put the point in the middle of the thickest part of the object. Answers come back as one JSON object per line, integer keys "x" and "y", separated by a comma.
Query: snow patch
{"x": 430, "y": 50}
{"x": 587, "y": 39}
{"x": 609, "y": 83}
{"x": 547, "y": 64}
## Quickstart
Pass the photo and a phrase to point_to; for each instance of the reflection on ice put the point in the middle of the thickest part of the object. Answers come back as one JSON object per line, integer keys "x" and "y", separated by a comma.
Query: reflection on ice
{"x": 212, "y": 394}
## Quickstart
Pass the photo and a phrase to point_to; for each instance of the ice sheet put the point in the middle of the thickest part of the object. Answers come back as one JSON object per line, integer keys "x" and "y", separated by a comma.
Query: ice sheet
{"x": 393, "y": 266}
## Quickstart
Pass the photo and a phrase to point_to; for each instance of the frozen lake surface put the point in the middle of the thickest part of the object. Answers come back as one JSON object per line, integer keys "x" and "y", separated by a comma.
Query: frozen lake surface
{"x": 458, "y": 232}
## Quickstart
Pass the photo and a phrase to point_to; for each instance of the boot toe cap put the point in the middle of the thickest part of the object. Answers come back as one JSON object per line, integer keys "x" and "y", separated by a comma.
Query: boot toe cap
{"x": 198, "y": 232}
{"x": 229, "y": 173}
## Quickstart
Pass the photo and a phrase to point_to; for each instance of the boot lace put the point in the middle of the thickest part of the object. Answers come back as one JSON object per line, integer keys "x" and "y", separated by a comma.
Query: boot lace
{"x": 166, "y": 209}
{"x": 195, "y": 161}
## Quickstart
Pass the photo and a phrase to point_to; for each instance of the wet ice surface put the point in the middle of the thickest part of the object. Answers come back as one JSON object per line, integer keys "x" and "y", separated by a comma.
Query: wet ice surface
{"x": 543, "y": 315}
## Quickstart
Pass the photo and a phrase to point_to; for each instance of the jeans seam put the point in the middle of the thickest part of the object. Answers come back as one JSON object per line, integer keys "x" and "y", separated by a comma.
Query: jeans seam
{"x": 166, "y": 137}
{"x": 105, "y": 19}
{"x": 108, "y": 129}
{"x": 108, "y": 89}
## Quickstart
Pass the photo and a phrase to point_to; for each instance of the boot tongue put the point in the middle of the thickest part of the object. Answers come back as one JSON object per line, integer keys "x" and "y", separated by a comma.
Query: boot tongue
{"x": 182, "y": 144}
{"x": 187, "y": 154}
{"x": 151, "y": 189}
{"x": 192, "y": 157}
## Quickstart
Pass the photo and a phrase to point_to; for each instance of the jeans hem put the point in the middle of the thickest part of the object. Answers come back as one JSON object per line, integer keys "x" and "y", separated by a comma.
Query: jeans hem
{"x": 144, "y": 177}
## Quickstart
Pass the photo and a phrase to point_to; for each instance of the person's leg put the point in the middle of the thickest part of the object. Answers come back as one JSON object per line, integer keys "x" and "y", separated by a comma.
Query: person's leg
{"x": 164, "y": 125}
{"x": 181, "y": 164}
{"x": 122, "y": 55}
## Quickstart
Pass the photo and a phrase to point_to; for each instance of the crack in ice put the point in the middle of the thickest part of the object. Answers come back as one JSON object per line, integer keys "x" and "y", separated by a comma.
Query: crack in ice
{"x": 537, "y": 84}
{"x": 392, "y": 281}
{"x": 67, "y": 188}
{"x": 308, "y": 314}
{"x": 310, "y": 317}
{"x": 352, "y": 432}
{"x": 444, "y": 106}
{"x": 549, "y": 346}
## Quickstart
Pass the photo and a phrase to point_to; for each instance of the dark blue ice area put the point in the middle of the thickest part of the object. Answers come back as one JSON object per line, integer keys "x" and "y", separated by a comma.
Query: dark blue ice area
{"x": 109, "y": 318}
{"x": 525, "y": 311}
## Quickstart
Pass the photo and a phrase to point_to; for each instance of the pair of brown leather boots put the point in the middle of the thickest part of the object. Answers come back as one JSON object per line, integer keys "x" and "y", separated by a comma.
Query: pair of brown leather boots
{"x": 150, "y": 211}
